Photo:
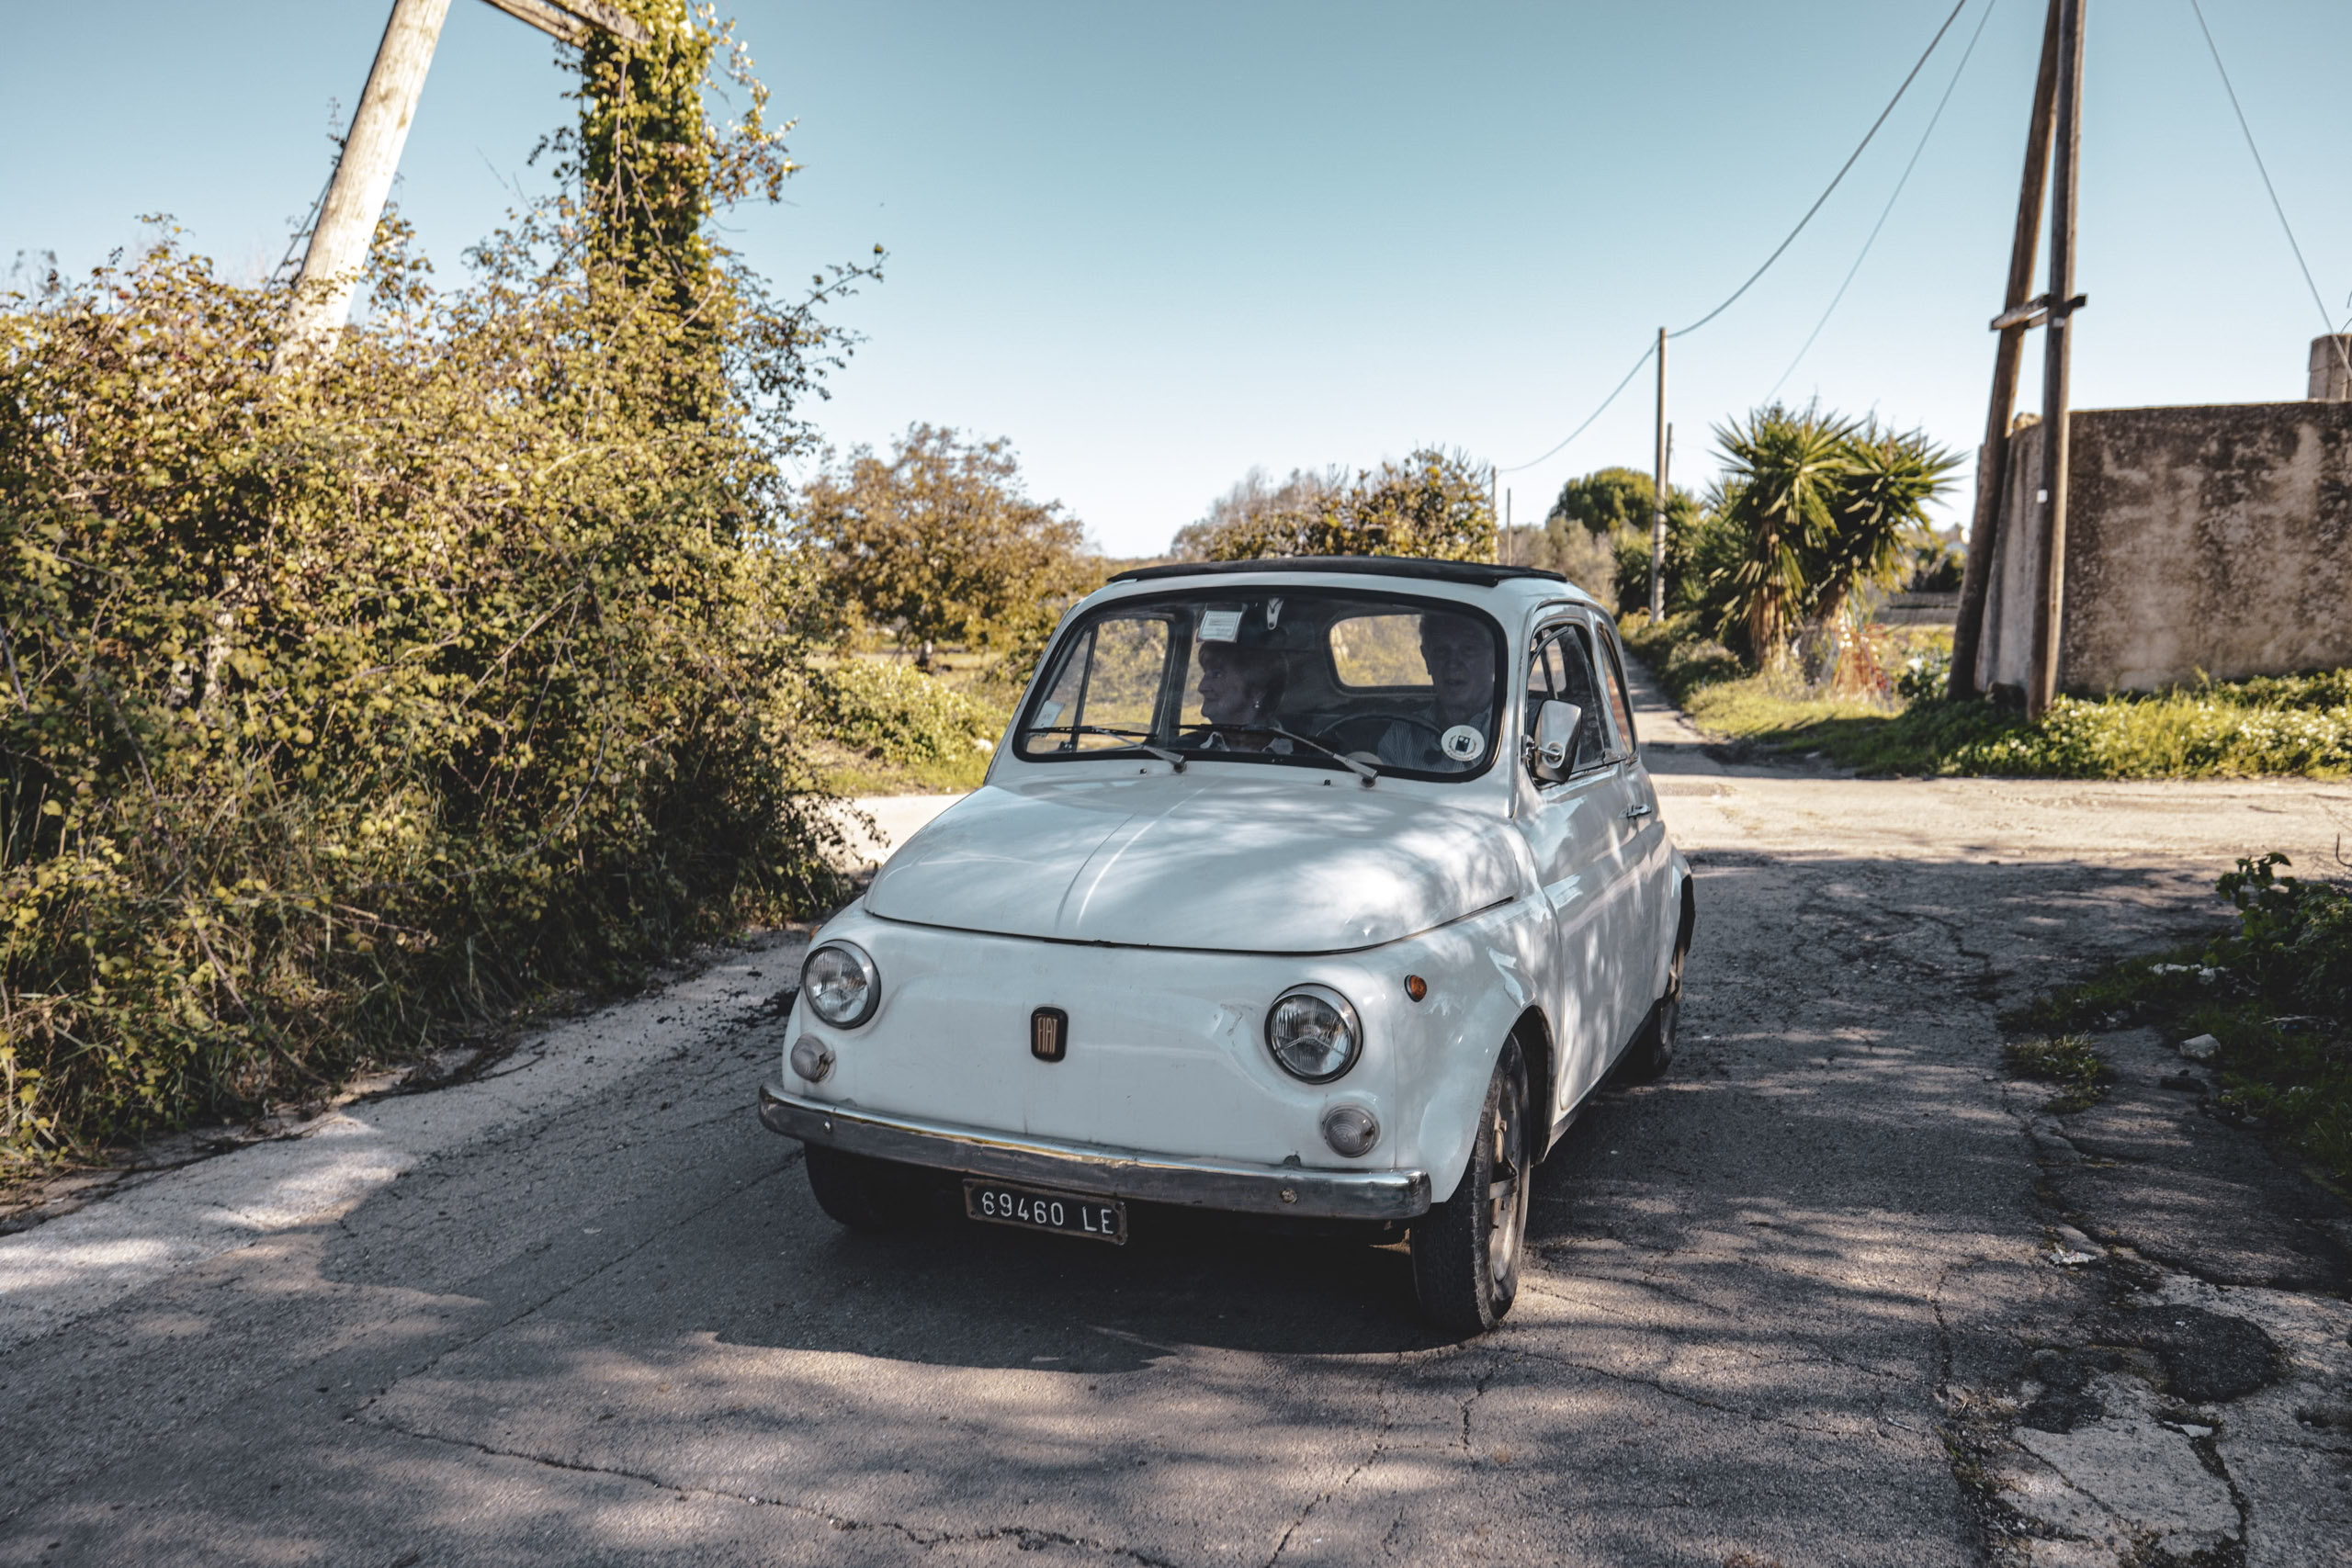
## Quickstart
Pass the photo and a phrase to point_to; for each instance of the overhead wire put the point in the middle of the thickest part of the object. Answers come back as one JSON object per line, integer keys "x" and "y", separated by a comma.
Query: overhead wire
{"x": 1834, "y": 179}
{"x": 1893, "y": 198}
{"x": 2327, "y": 319}
{"x": 1777, "y": 251}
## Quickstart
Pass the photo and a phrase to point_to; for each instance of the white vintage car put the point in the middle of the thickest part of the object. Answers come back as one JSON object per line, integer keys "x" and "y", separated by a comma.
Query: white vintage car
{"x": 1320, "y": 887}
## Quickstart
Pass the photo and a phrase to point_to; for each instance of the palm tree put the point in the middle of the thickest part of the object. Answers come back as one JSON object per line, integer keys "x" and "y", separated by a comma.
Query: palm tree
{"x": 1784, "y": 477}
{"x": 1891, "y": 477}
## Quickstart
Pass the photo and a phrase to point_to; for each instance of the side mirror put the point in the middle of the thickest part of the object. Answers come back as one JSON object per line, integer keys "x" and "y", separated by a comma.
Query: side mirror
{"x": 1556, "y": 738}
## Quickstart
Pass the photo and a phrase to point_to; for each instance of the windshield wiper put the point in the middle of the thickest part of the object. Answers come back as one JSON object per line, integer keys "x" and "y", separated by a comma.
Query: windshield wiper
{"x": 1175, "y": 759}
{"x": 1369, "y": 775}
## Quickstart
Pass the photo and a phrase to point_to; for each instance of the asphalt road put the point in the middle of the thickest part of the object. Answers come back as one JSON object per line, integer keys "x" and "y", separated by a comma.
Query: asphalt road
{"x": 585, "y": 1311}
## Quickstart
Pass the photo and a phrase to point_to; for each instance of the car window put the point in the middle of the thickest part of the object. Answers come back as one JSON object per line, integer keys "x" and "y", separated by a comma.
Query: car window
{"x": 1564, "y": 658}
{"x": 1620, "y": 709}
{"x": 1110, "y": 683}
{"x": 1292, "y": 676}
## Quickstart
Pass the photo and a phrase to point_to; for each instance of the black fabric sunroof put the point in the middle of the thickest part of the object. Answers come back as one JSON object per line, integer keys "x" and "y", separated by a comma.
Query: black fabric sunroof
{"x": 1482, "y": 574}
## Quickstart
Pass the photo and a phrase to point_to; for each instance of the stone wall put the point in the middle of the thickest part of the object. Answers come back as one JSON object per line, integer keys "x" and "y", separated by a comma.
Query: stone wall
{"x": 2214, "y": 539}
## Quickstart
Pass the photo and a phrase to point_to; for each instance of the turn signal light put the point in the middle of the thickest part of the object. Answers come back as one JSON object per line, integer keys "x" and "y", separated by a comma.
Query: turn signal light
{"x": 811, "y": 1058}
{"x": 1416, "y": 987}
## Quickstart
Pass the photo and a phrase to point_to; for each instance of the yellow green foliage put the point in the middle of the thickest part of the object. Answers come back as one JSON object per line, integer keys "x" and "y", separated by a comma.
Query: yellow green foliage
{"x": 344, "y": 708}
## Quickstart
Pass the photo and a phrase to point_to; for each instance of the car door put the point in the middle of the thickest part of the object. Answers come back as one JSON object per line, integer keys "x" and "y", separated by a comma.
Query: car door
{"x": 1649, "y": 858}
{"x": 1573, "y": 830}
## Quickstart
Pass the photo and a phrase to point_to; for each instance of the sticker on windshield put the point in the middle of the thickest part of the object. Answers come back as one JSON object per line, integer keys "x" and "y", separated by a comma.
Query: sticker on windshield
{"x": 1463, "y": 743}
{"x": 1220, "y": 626}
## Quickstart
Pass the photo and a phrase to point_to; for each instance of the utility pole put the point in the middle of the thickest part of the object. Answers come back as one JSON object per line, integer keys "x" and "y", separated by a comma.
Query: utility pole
{"x": 1992, "y": 460}
{"x": 2050, "y": 598}
{"x": 371, "y": 153}
{"x": 1658, "y": 509}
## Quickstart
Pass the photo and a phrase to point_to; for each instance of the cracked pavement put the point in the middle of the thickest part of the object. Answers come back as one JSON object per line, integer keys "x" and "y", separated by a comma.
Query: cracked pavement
{"x": 585, "y": 1311}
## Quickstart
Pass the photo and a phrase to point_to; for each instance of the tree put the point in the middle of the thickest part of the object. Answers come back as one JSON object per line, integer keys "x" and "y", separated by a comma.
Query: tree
{"x": 1617, "y": 505}
{"x": 1254, "y": 501}
{"x": 1433, "y": 505}
{"x": 939, "y": 543}
{"x": 1810, "y": 507}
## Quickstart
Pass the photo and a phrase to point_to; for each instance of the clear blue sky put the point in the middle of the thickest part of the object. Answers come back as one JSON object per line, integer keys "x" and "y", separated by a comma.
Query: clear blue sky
{"x": 1157, "y": 244}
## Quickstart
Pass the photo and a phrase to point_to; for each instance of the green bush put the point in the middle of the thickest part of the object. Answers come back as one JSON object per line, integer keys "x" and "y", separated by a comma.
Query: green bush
{"x": 345, "y": 708}
{"x": 2275, "y": 993}
{"x": 899, "y": 714}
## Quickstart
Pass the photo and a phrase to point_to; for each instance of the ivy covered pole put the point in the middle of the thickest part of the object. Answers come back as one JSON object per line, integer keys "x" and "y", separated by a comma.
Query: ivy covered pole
{"x": 371, "y": 153}
{"x": 363, "y": 178}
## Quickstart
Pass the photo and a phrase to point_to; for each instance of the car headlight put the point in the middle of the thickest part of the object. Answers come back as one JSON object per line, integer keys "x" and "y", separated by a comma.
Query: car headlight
{"x": 840, "y": 984}
{"x": 1313, "y": 1033}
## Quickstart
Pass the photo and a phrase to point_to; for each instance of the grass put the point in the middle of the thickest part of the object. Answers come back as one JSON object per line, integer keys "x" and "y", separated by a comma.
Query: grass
{"x": 2081, "y": 1074}
{"x": 2273, "y": 994}
{"x": 878, "y": 725}
{"x": 2298, "y": 726}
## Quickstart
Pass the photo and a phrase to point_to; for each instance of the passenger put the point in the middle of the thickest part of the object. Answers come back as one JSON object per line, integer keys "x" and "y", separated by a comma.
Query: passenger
{"x": 1241, "y": 690}
{"x": 1460, "y": 654}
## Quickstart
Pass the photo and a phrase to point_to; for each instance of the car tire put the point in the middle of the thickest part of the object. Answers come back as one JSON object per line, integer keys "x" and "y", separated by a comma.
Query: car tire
{"x": 1467, "y": 1251}
{"x": 1652, "y": 1052}
{"x": 862, "y": 1193}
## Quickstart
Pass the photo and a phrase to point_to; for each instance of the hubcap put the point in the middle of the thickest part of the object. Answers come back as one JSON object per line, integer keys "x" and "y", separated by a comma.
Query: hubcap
{"x": 1506, "y": 1188}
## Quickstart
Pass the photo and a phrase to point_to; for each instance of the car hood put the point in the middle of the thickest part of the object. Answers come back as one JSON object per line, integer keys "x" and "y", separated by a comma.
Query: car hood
{"x": 1201, "y": 860}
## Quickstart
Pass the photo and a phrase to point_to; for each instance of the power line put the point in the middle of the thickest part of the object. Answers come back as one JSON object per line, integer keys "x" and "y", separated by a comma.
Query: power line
{"x": 1840, "y": 174}
{"x": 2326, "y": 321}
{"x": 1777, "y": 251}
{"x": 1888, "y": 211}
{"x": 1596, "y": 413}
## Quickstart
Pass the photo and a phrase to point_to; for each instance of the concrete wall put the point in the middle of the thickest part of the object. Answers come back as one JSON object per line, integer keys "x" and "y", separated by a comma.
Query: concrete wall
{"x": 2206, "y": 539}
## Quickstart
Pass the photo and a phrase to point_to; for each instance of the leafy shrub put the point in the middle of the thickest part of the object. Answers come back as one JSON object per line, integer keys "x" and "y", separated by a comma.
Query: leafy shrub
{"x": 1926, "y": 674}
{"x": 344, "y": 708}
{"x": 2276, "y": 992}
{"x": 898, "y": 712}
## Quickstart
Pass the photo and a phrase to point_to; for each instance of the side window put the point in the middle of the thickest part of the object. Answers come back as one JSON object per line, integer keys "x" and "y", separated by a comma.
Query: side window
{"x": 1563, "y": 663}
{"x": 1618, "y": 708}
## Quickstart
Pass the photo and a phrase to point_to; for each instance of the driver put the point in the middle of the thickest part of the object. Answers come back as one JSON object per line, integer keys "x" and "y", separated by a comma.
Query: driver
{"x": 1241, "y": 688}
{"x": 1460, "y": 654}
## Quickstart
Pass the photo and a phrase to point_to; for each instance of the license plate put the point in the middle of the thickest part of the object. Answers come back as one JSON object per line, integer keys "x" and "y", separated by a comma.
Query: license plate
{"x": 1041, "y": 1209}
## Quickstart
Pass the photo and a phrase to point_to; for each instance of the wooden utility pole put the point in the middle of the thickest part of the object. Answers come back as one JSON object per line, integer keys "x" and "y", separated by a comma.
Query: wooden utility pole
{"x": 1658, "y": 507}
{"x": 1993, "y": 459}
{"x": 371, "y": 153}
{"x": 2050, "y": 598}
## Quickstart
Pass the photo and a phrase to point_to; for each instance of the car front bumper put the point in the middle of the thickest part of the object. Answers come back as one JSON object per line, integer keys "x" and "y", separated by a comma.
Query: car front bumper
{"x": 1087, "y": 1168}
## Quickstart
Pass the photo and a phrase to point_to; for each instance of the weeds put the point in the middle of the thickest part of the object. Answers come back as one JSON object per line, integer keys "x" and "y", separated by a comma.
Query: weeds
{"x": 2274, "y": 993}
{"x": 2296, "y": 725}
{"x": 2069, "y": 1061}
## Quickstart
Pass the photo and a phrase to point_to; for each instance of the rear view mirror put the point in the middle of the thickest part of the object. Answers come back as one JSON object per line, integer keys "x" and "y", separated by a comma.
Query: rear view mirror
{"x": 1556, "y": 738}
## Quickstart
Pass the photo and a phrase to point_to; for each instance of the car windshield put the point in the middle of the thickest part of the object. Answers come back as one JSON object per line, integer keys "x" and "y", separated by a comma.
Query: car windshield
{"x": 1302, "y": 677}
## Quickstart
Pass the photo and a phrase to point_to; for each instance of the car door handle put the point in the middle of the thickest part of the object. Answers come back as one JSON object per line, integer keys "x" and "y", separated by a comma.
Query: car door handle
{"x": 1636, "y": 811}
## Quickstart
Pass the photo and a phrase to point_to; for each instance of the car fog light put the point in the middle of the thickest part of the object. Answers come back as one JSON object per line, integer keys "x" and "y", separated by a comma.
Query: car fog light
{"x": 840, "y": 984}
{"x": 811, "y": 1058}
{"x": 1351, "y": 1130}
{"x": 1313, "y": 1033}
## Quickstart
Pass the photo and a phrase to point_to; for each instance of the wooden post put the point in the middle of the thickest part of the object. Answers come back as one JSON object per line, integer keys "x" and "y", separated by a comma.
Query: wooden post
{"x": 1658, "y": 509}
{"x": 371, "y": 153}
{"x": 1993, "y": 459}
{"x": 2050, "y": 600}
{"x": 363, "y": 178}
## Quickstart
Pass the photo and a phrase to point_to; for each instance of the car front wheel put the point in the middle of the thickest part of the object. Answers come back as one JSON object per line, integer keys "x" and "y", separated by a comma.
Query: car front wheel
{"x": 1467, "y": 1250}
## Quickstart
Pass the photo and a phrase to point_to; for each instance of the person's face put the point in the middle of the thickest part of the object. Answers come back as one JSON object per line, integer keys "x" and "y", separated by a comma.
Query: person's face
{"x": 1225, "y": 695}
{"x": 1461, "y": 660}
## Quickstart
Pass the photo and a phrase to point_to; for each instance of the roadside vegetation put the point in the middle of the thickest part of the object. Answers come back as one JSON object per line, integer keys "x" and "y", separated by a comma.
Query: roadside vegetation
{"x": 344, "y": 711}
{"x": 2274, "y": 995}
{"x": 2069, "y": 1061}
{"x": 1768, "y": 637}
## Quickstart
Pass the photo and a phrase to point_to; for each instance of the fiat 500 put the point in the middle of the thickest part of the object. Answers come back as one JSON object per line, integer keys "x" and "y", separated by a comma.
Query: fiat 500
{"x": 1319, "y": 888}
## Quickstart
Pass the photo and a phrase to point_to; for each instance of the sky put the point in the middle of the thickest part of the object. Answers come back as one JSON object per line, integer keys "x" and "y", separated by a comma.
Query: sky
{"x": 1154, "y": 246}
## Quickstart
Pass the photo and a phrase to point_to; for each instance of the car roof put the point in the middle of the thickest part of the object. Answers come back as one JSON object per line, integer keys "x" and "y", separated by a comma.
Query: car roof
{"x": 1480, "y": 574}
